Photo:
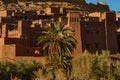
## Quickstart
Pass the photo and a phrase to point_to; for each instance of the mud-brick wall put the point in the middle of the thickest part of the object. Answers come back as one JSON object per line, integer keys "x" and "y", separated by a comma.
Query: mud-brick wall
{"x": 7, "y": 51}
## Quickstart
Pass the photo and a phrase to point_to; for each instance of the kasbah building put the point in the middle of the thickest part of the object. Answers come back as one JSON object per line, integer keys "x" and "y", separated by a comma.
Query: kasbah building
{"x": 20, "y": 29}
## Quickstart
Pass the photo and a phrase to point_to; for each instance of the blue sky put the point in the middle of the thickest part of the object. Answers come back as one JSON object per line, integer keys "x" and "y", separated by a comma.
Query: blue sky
{"x": 113, "y": 4}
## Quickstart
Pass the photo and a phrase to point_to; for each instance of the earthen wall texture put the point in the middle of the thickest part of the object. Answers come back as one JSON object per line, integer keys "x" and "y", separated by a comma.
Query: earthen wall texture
{"x": 92, "y": 33}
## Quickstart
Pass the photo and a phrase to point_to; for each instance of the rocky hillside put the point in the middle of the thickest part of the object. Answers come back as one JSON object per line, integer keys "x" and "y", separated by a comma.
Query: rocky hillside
{"x": 97, "y": 7}
{"x": 78, "y": 3}
{"x": 71, "y": 1}
{"x": 9, "y": 1}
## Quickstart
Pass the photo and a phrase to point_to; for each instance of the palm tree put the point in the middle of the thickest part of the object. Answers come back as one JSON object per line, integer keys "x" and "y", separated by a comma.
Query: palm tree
{"x": 57, "y": 39}
{"x": 58, "y": 44}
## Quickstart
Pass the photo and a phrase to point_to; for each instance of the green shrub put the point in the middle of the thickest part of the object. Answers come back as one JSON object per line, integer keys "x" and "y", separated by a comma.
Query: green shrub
{"x": 101, "y": 66}
{"x": 85, "y": 66}
{"x": 93, "y": 67}
{"x": 7, "y": 69}
{"x": 25, "y": 70}
{"x": 82, "y": 66}
{"x": 115, "y": 67}
{"x": 19, "y": 69}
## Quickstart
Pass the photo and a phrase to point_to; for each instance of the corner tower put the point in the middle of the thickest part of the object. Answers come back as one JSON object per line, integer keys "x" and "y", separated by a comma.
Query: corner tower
{"x": 74, "y": 22}
{"x": 110, "y": 31}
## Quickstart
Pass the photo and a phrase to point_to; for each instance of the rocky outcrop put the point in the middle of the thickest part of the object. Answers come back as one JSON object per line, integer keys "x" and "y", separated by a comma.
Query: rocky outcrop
{"x": 97, "y": 7}
{"x": 71, "y": 1}
{"x": 101, "y": 6}
{"x": 9, "y": 1}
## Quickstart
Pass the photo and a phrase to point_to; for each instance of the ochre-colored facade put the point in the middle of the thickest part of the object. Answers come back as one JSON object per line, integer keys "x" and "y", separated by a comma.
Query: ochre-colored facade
{"x": 100, "y": 33}
{"x": 19, "y": 30}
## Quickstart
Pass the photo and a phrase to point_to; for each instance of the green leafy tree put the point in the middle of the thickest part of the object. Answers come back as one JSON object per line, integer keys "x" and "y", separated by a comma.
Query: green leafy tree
{"x": 57, "y": 39}
{"x": 101, "y": 66}
{"x": 82, "y": 66}
{"x": 62, "y": 65}
{"x": 58, "y": 45}
{"x": 95, "y": 67}
{"x": 56, "y": 69}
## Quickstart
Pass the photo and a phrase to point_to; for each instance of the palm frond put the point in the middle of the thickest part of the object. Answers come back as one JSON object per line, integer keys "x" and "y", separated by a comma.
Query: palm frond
{"x": 57, "y": 39}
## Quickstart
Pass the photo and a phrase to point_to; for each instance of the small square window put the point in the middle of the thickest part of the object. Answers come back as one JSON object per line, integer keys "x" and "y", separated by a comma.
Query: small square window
{"x": 87, "y": 31}
{"x": 28, "y": 51}
{"x": 97, "y": 32}
{"x": 87, "y": 46}
{"x": 96, "y": 45}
